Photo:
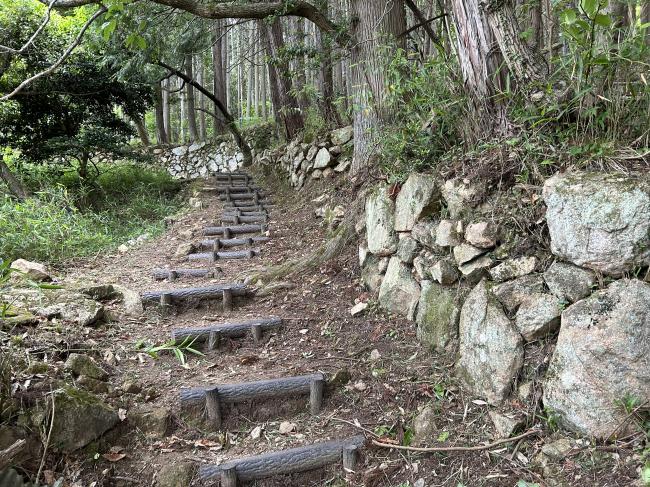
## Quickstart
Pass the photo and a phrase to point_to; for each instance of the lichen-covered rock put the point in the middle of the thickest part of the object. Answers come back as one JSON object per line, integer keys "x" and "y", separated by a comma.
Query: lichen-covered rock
{"x": 424, "y": 426}
{"x": 70, "y": 306}
{"x": 80, "y": 417}
{"x": 418, "y": 198}
{"x": 81, "y": 364}
{"x": 513, "y": 268}
{"x": 371, "y": 274}
{"x": 176, "y": 474}
{"x": 491, "y": 349}
{"x": 399, "y": 292}
{"x": 599, "y": 221}
{"x": 323, "y": 159}
{"x": 445, "y": 272}
{"x": 31, "y": 270}
{"x": 183, "y": 250}
{"x": 460, "y": 196}
{"x": 504, "y": 424}
{"x": 475, "y": 269}
{"x": 424, "y": 232}
{"x": 449, "y": 233}
{"x": 342, "y": 136}
{"x": 380, "y": 223}
{"x": 483, "y": 235}
{"x": 464, "y": 253}
{"x": 437, "y": 316}
{"x": 131, "y": 300}
{"x": 407, "y": 249}
{"x": 602, "y": 357}
{"x": 512, "y": 293}
{"x": 538, "y": 315}
{"x": 152, "y": 422}
{"x": 423, "y": 264}
{"x": 568, "y": 282}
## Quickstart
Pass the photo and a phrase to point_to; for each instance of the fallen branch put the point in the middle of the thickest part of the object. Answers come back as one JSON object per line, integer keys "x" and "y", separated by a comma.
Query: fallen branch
{"x": 456, "y": 448}
{"x": 8, "y": 454}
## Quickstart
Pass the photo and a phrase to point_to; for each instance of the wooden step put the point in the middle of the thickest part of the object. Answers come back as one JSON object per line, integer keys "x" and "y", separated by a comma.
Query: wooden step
{"x": 293, "y": 460}
{"x": 233, "y": 254}
{"x": 168, "y": 297}
{"x": 173, "y": 274}
{"x": 226, "y": 231}
{"x": 248, "y": 204}
{"x": 213, "y": 397}
{"x": 237, "y": 219}
{"x": 228, "y": 330}
{"x": 232, "y": 242}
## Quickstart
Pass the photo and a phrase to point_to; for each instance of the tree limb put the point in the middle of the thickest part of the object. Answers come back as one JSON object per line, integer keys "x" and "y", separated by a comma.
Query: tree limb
{"x": 60, "y": 61}
{"x": 46, "y": 20}
{"x": 424, "y": 23}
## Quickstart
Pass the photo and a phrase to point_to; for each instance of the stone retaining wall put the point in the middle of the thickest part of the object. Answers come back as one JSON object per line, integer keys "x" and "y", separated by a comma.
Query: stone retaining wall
{"x": 200, "y": 159}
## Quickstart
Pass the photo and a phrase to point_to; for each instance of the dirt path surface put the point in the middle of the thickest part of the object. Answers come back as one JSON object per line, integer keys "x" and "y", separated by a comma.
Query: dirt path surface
{"x": 390, "y": 375}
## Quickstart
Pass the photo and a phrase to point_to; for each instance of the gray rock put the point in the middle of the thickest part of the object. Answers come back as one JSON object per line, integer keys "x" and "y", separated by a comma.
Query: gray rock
{"x": 512, "y": 293}
{"x": 482, "y": 234}
{"x": 131, "y": 300}
{"x": 407, "y": 249}
{"x": 424, "y": 232}
{"x": 176, "y": 474}
{"x": 371, "y": 276}
{"x": 448, "y": 234}
{"x": 464, "y": 253}
{"x": 445, "y": 272}
{"x": 311, "y": 153}
{"x": 602, "y": 356}
{"x": 327, "y": 172}
{"x": 475, "y": 269}
{"x": 538, "y": 315}
{"x": 179, "y": 151}
{"x": 82, "y": 364}
{"x": 504, "y": 424}
{"x": 423, "y": 264}
{"x": 513, "y": 268}
{"x": 418, "y": 198}
{"x": 599, "y": 221}
{"x": 336, "y": 150}
{"x": 71, "y": 306}
{"x": 460, "y": 196}
{"x": 342, "y": 136}
{"x": 399, "y": 292}
{"x": 380, "y": 223}
{"x": 317, "y": 174}
{"x": 323, "y": 159}
{"x": 558, "y": 449}
{"x": 568, "y": 282}
{"x": 383, "y": 264}
{"x": 183, "y": 250}
{"x": 363, "y": 255}
{"x": 437, "y": 316}
{"x": 491, "y": 349}
{"x": 152, "y": 422}
{"x": 424, "y": 426}
{"x": 31, "y": 270}
{"x": 80, "y": 418}
{"x": 343, "y": 165}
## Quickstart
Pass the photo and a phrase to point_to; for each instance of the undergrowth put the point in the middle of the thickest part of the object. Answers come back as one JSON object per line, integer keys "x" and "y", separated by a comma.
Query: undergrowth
{"x": 66, "y": 218}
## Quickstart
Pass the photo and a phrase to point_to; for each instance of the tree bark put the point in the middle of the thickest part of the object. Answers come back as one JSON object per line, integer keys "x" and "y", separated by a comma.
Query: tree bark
{"x": 219, "y": 71}
{"x": 274, "y": 86}
{"x": 231, "y": 123}
{"x": 159, "y": 107}
{"x": 201, "y": 100}
{"x": 16, "y": 187}
{"x": 330, "y": 114}
{"x": 377, "y": 26}
{"x": 191, "y": 102}
{"x": 167, "y": 111}
{"x": 142, "y": 130}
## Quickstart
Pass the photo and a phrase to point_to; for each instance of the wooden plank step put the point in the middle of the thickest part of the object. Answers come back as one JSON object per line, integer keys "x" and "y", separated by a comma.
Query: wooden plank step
{"x": 244, "y": 212}
{"x": 238, "y": 189}
{"x": 248, "y": 204}
{"x": 237, "y": 219}
{"x": 293, "y": 460}
{"x": 233, "y": 229}
{"x": 232, "y": 242}
{"x": 231, "y": 175}
{"x": 173, "y": 274}
{"x": 242, "y": 196}
{"x": 229, "y": 330}
{"x": 168, "y": 297}
{"x": 233, "y": 254}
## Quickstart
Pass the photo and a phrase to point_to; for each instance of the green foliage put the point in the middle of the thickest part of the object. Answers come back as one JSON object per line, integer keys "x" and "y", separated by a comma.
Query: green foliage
{"x": 426, "y": 116}
{"x": 179, "y": 350}
{"x": 260, "y": 135}
{"x": 128, "y": 201}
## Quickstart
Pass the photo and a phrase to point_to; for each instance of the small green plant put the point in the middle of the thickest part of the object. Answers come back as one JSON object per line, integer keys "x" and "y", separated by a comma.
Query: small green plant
{"x": 551, "y": 418}
{"x": 629, "y": 402}
{"x": 180, "y": 350}
{"x": 444, "y": 436}
{"x": 645, "y": 474}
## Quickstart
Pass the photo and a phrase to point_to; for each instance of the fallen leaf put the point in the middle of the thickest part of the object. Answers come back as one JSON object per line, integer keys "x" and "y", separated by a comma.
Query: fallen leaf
{"x": 114, "y": 457}
{"x": 478, "y": 402}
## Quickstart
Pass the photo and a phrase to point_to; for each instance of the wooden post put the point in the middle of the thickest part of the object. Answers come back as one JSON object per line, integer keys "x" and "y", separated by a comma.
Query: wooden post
{"x": 214, "y": 256}
{"x": 256, "y": 331}
{"x": 227, "y": 233}
{"x": 227, "y": 299}
{"x": 250, "y": 253}
{"x": 214, "y": 338}
{"x": 172, "y": 275}
{"x": 216, "y": 245}
{"x": 229, "y": 179}
{"x": 350, "y": 458}
{"x": 165, "y": 303}
{"x": 236, "y": 219}
{"x": 229, "y": 477}
{"x": 316, "y": 395}
{"x": 256, "y": 198}
{"x": 213, "y": 407}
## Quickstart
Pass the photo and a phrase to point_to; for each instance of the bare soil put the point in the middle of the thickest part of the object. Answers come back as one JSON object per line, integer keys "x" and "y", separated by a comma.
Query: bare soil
{"x": 380, "y": 400}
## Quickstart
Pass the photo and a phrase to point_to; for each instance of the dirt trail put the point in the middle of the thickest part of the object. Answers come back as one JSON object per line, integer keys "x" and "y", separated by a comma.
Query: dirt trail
{"x": 390, "y": 374}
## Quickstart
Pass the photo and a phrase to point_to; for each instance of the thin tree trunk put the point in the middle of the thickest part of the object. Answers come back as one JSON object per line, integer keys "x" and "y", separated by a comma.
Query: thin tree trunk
{"x": 201, "y": 99}
{"x": 219, "y": 70}
{"x": 167, "y": 122}
{"x": 142, "y": 131}
{"x": 330, "y": 114}
{"x": 181, "y": 119}
{"x": 16, "y": 187}
{"x": 159, "y": 107}
{"x": 378, "y": 24}
{"x": 191, "y": 102}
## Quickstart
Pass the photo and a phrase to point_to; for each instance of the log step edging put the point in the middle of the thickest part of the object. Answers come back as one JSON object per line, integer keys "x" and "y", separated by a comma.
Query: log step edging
{"x": 173, "y": 274}
{"x": 230, "y": 330}
{"x": 248, "y": 204}
{"x": 168, "y": 297}
{"x": 237, "y": 219}
{"x": 233, "y": 254}
{"x": 293, "y": 460}
{"x": 234, "y": 229}
{"x": 232, "y": 242}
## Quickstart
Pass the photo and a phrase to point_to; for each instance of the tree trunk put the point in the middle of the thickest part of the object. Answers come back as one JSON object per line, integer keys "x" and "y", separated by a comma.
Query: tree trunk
{"x": 330, "y": 114}
{"x": 16, "y": 187}
{"x": 191, "y": 103}
{"x": 219, "y": 71}
{"x": 201, "y": 100}
{"x": 376, "y": 29}
{"x": 167, "y": 122}
{"x": 274, "y": 87}
{"x": 161, "y": 131}
{"x": 142, "y": 131}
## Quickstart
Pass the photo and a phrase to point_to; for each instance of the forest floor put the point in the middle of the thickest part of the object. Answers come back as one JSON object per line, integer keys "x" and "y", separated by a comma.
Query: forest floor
{"x": 391, "y": 375}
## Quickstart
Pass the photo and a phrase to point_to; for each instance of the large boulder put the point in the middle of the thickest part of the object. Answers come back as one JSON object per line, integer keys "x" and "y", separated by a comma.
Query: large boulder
{"x": 437, "y": 316}
{"x": 323, "y": 159}
{"x": 79, "y": 418}
{"x": 602, "y": 357}
{"x": 380, "y": 223}
{"x": 418, "y": 198}
{"x": 399, "y": 292}
{"x": 599, "y": 221}
{"x": 491, "y": 349}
